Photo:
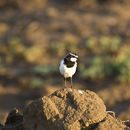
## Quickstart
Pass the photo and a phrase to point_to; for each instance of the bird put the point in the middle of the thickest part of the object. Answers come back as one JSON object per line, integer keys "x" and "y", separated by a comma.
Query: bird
{"x": 68, "y": 66}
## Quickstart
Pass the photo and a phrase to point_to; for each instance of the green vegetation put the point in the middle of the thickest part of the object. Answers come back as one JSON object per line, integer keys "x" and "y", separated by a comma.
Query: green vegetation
{"x": 36, "y": 82}
{"x": 101, "y": 58}
{"x": 45, "y": 70}
{"x": 109, "y": 58}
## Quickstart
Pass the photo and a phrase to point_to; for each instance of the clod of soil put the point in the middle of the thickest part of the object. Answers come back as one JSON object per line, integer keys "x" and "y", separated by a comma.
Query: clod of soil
{"x": 111, "y": 123}
{"x": 65, "y": 109}
{"x": 14, "y": 121}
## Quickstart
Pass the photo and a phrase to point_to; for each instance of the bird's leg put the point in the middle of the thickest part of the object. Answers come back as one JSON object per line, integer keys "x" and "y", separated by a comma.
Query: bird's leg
{"x": 65, "y": 81}
{"x": 71, "y": 81}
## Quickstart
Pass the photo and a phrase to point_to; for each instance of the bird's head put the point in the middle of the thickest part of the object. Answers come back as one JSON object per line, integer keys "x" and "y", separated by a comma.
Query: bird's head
{"x": 71, "y": 57}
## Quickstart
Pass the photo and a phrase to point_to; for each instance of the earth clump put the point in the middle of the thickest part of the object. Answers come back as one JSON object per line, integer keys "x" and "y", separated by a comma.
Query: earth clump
{"x": 65, "y": 109}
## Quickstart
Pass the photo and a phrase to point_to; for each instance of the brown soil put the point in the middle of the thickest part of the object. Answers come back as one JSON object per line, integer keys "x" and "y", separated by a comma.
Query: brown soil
{"x": 111, "y": 123}
{"x": 65, "y": 109}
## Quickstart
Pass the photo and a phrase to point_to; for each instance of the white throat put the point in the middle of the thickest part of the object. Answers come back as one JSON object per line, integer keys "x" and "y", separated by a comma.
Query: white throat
{"x": 73, "y": 59}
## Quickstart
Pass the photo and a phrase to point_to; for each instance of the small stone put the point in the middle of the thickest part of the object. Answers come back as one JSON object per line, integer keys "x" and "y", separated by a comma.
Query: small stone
{"x": 80, "y": 92}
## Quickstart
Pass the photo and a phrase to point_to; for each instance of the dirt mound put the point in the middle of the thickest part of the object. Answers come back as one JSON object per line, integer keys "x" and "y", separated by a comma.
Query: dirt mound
{"x": 65, "y": 109}
{"x": 69, "y": 109}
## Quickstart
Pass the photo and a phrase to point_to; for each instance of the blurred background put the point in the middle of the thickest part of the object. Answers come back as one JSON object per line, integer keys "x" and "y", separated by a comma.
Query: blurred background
{"x": 36, "y": 34}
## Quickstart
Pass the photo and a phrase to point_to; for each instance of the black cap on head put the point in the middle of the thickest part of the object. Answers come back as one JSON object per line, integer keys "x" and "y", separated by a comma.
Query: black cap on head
{"x": 71, "y": 55}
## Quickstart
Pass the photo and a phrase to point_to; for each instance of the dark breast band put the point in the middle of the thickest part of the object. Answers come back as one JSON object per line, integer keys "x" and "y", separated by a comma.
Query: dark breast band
{"x": 68, "y": 63}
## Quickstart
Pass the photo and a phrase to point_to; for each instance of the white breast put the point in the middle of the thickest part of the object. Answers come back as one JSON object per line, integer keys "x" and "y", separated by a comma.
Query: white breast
{"x": 65, "y": 71}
